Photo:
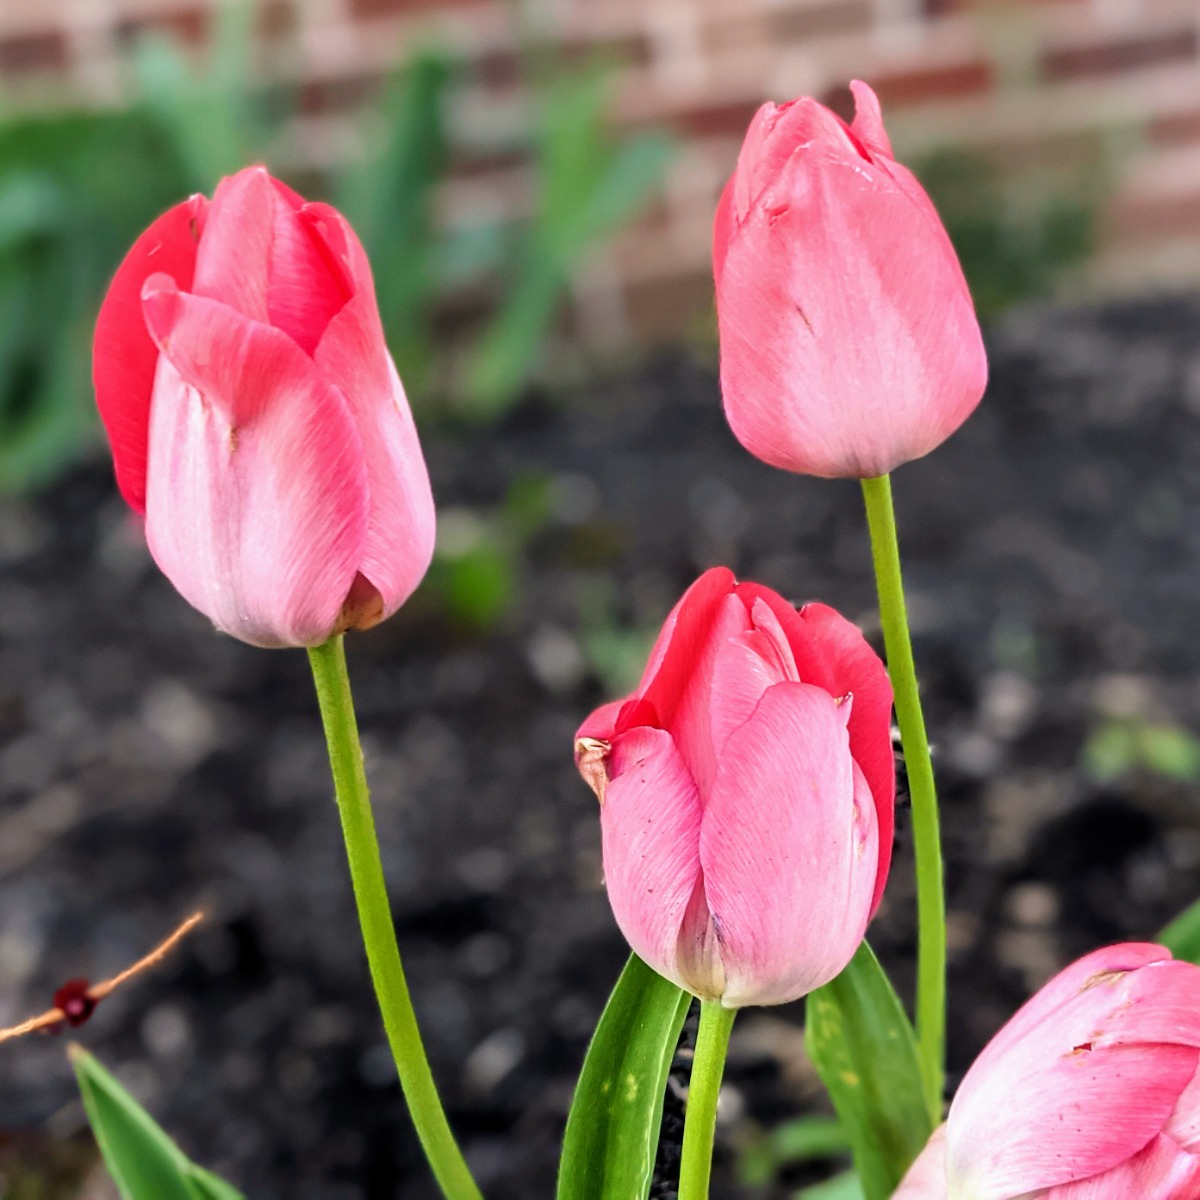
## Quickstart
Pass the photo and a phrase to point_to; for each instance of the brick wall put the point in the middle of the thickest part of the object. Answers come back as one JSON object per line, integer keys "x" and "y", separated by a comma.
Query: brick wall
{"x": 1044, "y": 87}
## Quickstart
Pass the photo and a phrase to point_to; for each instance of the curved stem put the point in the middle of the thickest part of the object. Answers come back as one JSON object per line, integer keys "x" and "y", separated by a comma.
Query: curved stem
{"x": 375, "y": 919}
{"x": 700, "y": 1123}
{"x": 931, "y": 901}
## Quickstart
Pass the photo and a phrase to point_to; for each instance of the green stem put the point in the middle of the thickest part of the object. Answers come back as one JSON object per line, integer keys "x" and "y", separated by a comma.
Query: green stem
{"x": 931, "y": 901}
{"x": 375, "y": 920}
{"x": 708, "y": 1066}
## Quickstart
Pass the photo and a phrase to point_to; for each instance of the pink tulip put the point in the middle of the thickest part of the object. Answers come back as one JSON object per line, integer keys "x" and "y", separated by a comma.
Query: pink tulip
{"x": 256, "y": 419}
{"x": 746, "y": 792}
{"x": 848, "y": 341}
{"x": 1091, "y": 1092}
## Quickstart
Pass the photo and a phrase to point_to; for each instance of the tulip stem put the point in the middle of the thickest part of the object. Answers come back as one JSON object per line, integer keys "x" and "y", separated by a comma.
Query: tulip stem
{"x": 700, "y": 1123}
{"x": 375, "y": 919}
{"x": 931, "y": 900}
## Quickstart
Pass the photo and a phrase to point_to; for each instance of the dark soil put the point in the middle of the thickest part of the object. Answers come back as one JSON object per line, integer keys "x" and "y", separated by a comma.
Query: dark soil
{"x": 149, "y": 766}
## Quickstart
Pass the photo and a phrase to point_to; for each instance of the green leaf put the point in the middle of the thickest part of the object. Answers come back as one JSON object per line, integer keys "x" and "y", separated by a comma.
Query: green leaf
{"x": 863, "y": 1046}
{"x": 143, "y": 1161}
{"x": 841, "y": 1187}
{"x": 612, "y": 1130}
{"x": 795, "y": 1141}
{"x": 1182, "y": 935}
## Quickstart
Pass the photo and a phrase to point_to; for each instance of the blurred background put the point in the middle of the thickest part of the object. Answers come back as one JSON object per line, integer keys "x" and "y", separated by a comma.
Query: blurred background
{"x": 535, "y": 182}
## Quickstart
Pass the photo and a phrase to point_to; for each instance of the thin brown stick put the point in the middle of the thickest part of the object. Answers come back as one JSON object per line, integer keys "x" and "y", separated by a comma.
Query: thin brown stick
{"x": 99, "y": 991}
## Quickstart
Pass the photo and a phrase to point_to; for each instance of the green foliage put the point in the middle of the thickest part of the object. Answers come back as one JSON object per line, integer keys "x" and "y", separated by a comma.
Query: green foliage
{"x": 77, "y": 188}
{"x": 476, "y": 570}
{"x": 143, "y": 1161}
{"x": 841, "y": 1187}
{"x": 1120, "y": 747}
{"x": 800, "y": 1140}
{"x": 862, "y": 1044}
{"x": 1182, "y": 935}
{"x": 612, "y": 1130}
{"x": 388, "y": 198}
{"x": 588, "y": 186}
{"x": 1008, "y": 252}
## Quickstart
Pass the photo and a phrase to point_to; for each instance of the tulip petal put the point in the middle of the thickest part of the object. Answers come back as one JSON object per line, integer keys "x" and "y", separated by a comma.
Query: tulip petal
{"x": 745, "y": 665}
{"x": 684, "y": 631}
{"x": 1161, "y": 1171}
{"x": 1184, "y": 1125}
{"x": 650, "y": 830}
{"x": 259, "y": 258}
{"x": 848, "y": 341}
{"x": 867, "y": 125}
{"x": 788, "y": 848}
{"x": 832, "y": 653}
{"x": 353, "y": 355}
{"x": 1100, "y": 1056}
{"x": 124, "y": 358}
{"x": 926, "y": 1178}
{"x": 256, "y": 502}
{"x": 775, "y": 132}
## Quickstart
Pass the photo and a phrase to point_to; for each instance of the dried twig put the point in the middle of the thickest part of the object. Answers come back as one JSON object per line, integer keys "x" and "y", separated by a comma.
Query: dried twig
{"x": 76, "y": 1000}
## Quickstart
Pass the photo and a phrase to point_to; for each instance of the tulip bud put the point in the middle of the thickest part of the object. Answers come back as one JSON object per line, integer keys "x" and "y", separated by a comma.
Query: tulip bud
{"x": 746, "y": 794}
{"x": 1090, "y": 1092}
{"x": 256, "y": 419}
{"x": 849, "y": 344}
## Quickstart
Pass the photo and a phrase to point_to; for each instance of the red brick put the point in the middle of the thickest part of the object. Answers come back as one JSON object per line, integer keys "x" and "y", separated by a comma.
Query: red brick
{"x": 1144, "y": 222}
{"x": 934, "y": 83}
{"x": 275, "y": 19}
{"x": 190, "y": 25}
{"x": 1175, "y": 128}
{"x": 368, "y": 9}
{"x": 657, "y": 309}
{"x": 842, "y": 16}
{"x": 1121, "y": 54}
{"x": 729, "y": 120}
{"x": 26, "y": 52}
{"x": 330, "y": 97}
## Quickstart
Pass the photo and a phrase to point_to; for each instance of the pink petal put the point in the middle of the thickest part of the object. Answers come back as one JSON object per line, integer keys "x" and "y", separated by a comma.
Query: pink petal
{"x": 926, "y": 1178}
{"x": 745, "y": 665}
{"x": 260, "y": 258}
{"x": 690, "y": 722}
{"x": 868, "y": 120}
{"x": 685, "y": 630}
{"x": 352, "y": 354}
{"x": 1184, "y": 1125}
{"x": 601, "y": 725}
{"x": 832, "y": 653}
{"x": 1082, "y": 1078}
{"x": 124, "y": 358}
{"x": 848, "y": 340}
{"x": 724, "y": 227}
{"x": 257, "y": 498}
{"x": 787, "y": 848}
{"x": 650, "y": 830}
{"x": 1161, "y": 1171}
{"x": 776, "y": 134}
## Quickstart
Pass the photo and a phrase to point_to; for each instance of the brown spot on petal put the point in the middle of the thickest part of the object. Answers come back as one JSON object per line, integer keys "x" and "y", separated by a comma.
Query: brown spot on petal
{"x": 591, "y": 757}
{"x": 1114, "y": 975}
{"x": 363, "y": 607}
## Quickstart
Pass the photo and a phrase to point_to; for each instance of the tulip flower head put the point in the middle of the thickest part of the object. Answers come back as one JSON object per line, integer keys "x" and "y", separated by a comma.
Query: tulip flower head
{"x": 849, "y": 343}
{"x": 256, "y": 419}
{"x": 746, "y": 794}
{"x": 1090, "y": 1092}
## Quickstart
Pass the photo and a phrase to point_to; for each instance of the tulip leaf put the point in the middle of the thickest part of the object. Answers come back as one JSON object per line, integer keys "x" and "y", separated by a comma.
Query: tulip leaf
{"x": 612, "y": 1130}
{"x": 862, "y": 1044}
{"x": 1182, "y": 935}
{"x": 143, "y": 1161}
{"x": 841, "y": 1187}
